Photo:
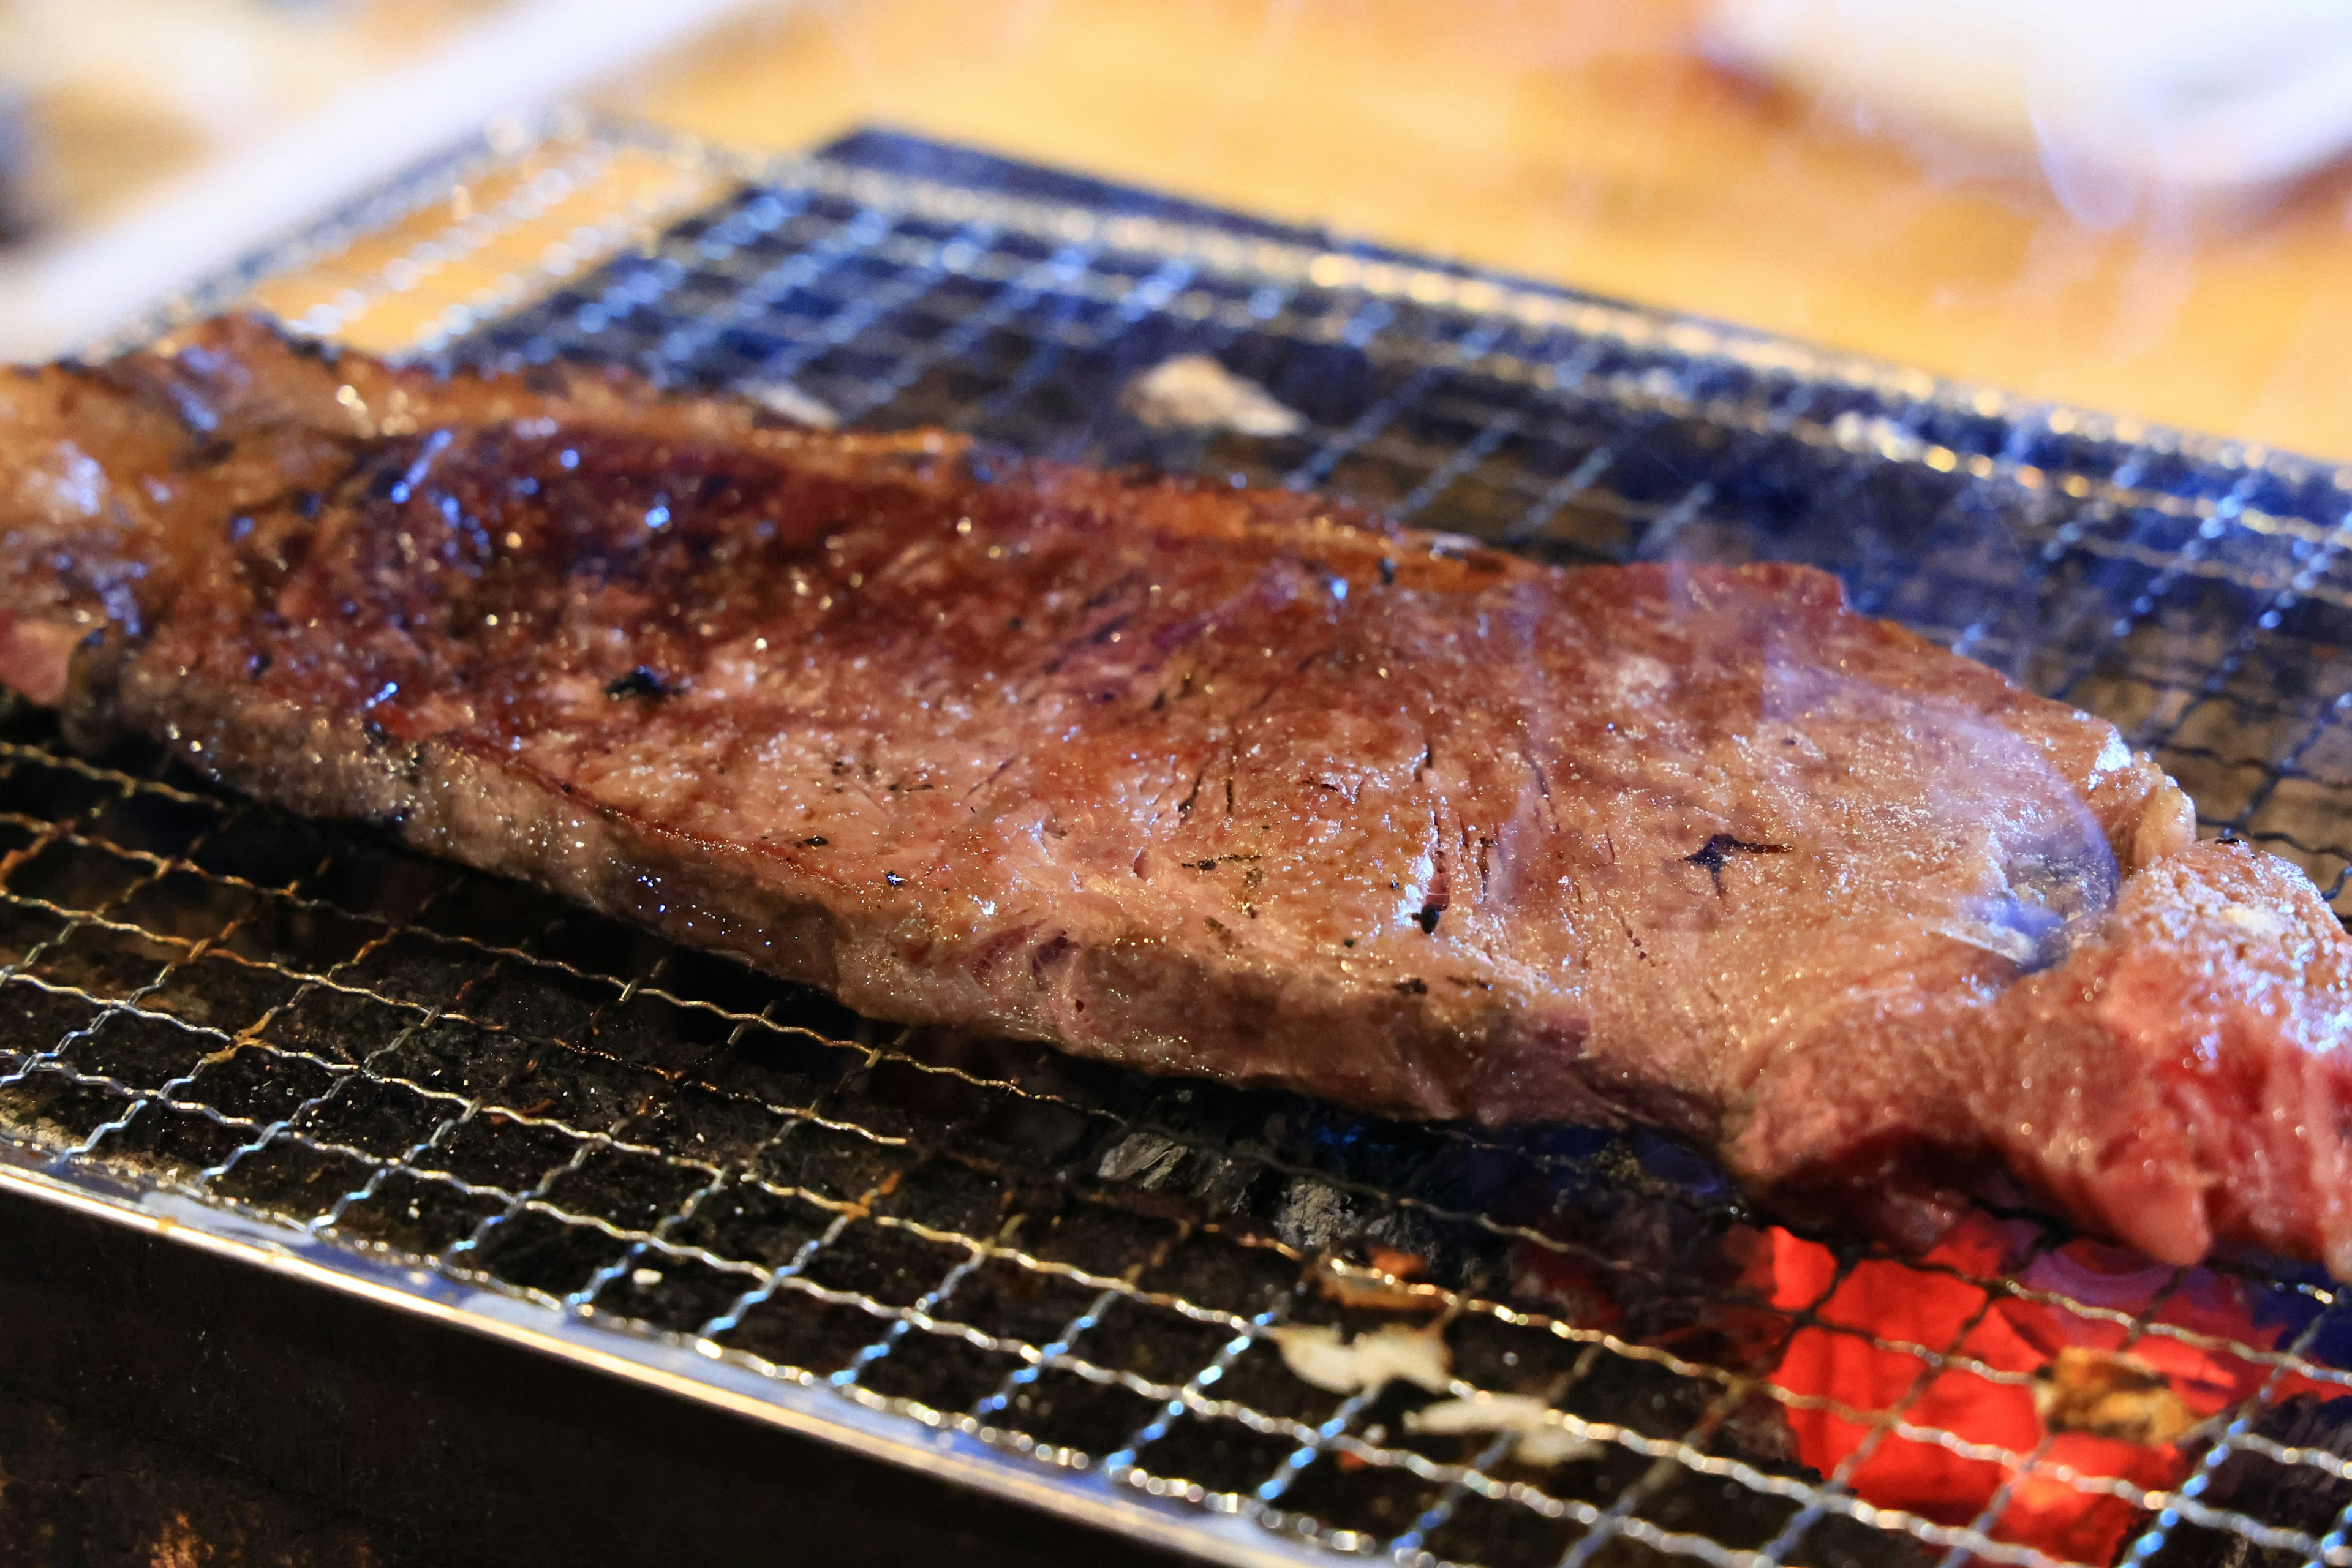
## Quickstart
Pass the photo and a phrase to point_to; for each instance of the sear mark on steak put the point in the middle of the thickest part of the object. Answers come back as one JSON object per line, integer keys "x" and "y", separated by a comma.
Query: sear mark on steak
{"x": 637, "y": 682}
{"x": 1710, "y": 855}
{"x": 1231, "y": 783}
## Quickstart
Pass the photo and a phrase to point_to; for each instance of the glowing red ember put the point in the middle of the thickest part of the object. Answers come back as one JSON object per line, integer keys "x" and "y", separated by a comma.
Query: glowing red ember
{"x": 2051, "y": 1403}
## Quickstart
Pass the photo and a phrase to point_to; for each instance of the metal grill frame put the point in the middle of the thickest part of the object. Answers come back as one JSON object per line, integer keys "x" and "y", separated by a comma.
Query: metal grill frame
{"x": 2268, "y": 527}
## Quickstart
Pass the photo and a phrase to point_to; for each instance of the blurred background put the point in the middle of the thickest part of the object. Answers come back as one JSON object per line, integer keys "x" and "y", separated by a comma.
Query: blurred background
{"x": 2142, "y": 207}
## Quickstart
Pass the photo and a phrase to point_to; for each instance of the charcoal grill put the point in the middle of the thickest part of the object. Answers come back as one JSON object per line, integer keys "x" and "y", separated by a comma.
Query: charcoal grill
{"x": 1068, "y": 1284}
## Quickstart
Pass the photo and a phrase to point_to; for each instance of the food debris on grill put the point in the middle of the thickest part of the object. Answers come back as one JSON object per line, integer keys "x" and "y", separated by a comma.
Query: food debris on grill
{"x": 2110, "y": 1394}
{"x": 1390, "y": 1283}
{"x": 1690, "y": 846}
{"x": 1194, "y": 391}
{"x": 1319, "y": 1355}
{"x": 1542, "y": 1438}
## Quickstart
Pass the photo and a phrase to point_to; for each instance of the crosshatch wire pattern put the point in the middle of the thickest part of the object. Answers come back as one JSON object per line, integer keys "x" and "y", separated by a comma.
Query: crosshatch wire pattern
{"x": 1096, "y": 1273}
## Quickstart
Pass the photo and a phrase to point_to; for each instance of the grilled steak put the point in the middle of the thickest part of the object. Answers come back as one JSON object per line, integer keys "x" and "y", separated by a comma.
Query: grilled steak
{"x": 1237, "y": 785}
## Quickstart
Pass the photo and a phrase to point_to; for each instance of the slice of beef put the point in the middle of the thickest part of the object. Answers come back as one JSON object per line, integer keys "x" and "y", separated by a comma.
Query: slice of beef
{"x": 1244, "y": 785}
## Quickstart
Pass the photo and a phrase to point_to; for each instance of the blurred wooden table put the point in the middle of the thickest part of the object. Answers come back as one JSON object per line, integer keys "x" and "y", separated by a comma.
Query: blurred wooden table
{"x": 1580, "y": 141}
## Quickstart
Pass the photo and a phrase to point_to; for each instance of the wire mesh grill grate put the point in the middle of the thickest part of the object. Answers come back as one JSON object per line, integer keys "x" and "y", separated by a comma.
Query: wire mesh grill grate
{"x": 1095, "y": 1277}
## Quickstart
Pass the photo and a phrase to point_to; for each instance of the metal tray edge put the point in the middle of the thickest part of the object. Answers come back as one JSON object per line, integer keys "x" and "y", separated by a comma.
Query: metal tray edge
{"x": 670, "y": 1367}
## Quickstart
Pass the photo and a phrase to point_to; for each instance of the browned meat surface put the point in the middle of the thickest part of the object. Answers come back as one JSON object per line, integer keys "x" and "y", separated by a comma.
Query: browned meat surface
{"x": 1235, "y": 784}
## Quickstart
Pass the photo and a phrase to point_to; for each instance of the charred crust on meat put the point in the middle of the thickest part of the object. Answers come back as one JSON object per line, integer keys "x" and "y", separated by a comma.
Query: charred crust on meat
{"x": 1712, "y": 854}
{"x": 638, "y": 682}
{"x": 1427, "y": 919}
{"x": 892, "y": 879}
{"x": 814, "y": 841}
{"x": 1413, "y": 987}
{"x": 1388, "y": 572}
